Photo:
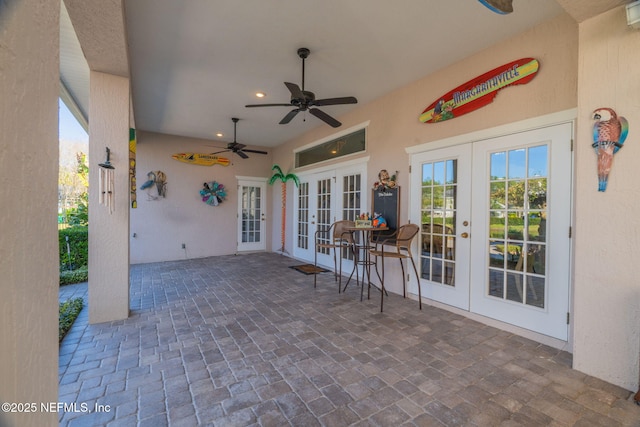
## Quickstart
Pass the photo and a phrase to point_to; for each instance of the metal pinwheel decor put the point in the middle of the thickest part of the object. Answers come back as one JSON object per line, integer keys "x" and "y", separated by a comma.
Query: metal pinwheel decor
{"x": 213, "y": 193}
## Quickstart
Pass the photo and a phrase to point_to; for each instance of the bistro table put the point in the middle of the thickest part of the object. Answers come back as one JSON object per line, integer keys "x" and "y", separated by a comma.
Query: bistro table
{"x": 363, "y": 246}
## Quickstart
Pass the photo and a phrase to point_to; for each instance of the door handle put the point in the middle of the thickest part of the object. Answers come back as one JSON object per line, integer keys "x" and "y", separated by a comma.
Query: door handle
{"x": 464, "y": 235}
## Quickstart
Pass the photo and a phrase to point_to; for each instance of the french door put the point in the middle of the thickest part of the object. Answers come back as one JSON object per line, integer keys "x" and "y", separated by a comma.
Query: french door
{"x": 251, "y": 214}
{"x": 495, "y": 217}
{"x": 315, "y": 210}
{"x": 441, "y": 180}
{"x": 323, "y": 198}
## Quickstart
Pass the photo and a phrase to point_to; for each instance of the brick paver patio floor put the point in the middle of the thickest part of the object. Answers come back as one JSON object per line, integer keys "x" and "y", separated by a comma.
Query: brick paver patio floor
{"x": 246, "y": 341}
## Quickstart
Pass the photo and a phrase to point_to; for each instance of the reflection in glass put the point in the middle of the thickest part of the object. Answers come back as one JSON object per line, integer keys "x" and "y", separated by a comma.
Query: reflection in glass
{"x": 537, "y": 259}
{"x": 496, "y": 283}
{"x": 514, "y": 252}
{"x": 436, "y": 275}
{"x": 438, "y": 197}
{"x": 517, "y": 162}
{"x": 450, "y": 248}
{"x": 496, "y": 225}
{"x": 426, "y": 197}
{"x": 498, "y": 165}
{"x": 538, "y": 161}
{"x": 535, "y": 291}
{"x": 496, "y": 253}
{"x": 514, "y": 287}
{"x": 449, "y": 269}
{"x": 424, "y": 268}
{"x": 498, "y": 195}
{"x": 438, "y": 173}
{"x": 427, "y": 174}
{"x": 515, "y": 195}
{"x": 451, "y": 172}
{"x": 537, "y": 193}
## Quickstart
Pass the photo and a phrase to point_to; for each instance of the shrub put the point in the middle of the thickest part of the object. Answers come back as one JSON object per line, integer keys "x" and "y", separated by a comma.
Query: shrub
{"x": 79, "y": 246}
{"x": 68, "y": 312}
{"x": 69, "y": 277}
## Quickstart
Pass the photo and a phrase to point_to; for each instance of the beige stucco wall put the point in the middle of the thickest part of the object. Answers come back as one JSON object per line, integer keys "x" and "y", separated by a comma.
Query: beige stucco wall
{"x": 393, "y": 118}
{"x": 108, "y": 231}
{"x": 162, "y": 226}
{"x": 607, "y": 290}
{"x": 28, "y": 198}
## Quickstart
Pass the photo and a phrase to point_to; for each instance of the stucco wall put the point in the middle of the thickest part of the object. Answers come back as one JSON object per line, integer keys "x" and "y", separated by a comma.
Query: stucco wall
{"x": 393, "y": 118}
{"x": 607, "y": 290}
{"x": 162, "y": 226}
{"x": 29, "y": 88}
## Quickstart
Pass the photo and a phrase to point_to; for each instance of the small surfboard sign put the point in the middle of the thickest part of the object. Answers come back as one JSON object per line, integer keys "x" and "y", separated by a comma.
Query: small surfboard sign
{"x": 480, "y": 91}
{"x": 201, "y": 159}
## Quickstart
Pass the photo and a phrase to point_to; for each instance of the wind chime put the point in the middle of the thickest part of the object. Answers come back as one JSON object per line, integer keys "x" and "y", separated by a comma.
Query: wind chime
{"x": 106, "y": 183}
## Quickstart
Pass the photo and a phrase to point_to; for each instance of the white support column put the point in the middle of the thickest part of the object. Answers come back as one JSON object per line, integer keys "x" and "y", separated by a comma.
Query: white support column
{"x": 109, "y": 224}
{"x": 29, "y": 274}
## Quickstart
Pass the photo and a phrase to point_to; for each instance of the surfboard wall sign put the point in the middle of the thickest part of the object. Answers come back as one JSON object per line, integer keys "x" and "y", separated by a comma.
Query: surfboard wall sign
{"x": 201, "y": 159}
{"x": 480, "y": 91}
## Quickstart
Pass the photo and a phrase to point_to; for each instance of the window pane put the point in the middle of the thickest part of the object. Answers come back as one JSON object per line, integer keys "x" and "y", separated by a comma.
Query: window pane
{"x": 498, "y": 165}
{"x": 517, "y": 162}
{"x": 538, "y": 161}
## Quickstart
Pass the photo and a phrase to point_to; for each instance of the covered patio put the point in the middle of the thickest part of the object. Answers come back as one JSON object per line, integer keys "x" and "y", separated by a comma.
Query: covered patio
{"x": 245, "y": 340}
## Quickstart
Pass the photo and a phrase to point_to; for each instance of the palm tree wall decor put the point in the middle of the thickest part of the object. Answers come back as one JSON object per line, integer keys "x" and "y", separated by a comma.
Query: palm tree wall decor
{"x": 279, "y": 175}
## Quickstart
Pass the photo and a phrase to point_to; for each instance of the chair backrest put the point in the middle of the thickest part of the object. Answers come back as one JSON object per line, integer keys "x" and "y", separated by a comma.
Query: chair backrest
{"x": 340, "y": 231}
{"x": 405, "y": 236}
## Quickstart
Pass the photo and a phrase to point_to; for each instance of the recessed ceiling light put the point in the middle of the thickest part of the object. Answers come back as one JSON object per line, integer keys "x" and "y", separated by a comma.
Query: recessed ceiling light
{"x": 260, "y": 94}
{"x": 219, "y": 135}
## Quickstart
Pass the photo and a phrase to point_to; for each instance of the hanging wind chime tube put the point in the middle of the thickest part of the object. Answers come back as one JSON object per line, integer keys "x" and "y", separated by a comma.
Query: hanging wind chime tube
{"x": 106, "y": 184}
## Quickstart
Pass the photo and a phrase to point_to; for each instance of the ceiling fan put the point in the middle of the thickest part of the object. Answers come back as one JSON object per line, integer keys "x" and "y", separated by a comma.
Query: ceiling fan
{"x": 236, "y": 147}
{"x": 304, "y": 100}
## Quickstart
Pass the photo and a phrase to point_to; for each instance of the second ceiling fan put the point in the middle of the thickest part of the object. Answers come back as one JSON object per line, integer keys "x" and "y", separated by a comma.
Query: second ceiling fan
{"x": 304, "y": 100}
{"x": 236, "y": 147}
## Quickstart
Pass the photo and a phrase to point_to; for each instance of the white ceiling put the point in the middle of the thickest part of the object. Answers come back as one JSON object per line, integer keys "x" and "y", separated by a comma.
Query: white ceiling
{"x": 195, "y": 64}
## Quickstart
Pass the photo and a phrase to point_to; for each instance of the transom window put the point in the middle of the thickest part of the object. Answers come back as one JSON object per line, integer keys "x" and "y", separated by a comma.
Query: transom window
{"x": 339, "y": 147}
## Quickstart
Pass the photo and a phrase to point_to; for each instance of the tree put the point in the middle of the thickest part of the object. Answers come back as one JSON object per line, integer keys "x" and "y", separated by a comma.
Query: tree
{"x": 279, "y": 175}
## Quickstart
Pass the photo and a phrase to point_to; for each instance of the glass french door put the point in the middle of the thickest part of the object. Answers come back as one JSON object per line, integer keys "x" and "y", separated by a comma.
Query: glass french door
{"x": 315, "y": 210}
{"x": 251, "y": 215}
{"x": 441, "y": 181}
{"x": 323, "y": 198}
{"x": 521, "y": 229}
{"x": 495, "y": 221}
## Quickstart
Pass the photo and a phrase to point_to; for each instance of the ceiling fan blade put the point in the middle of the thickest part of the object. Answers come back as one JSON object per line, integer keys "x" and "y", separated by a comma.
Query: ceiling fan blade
{"x": 325, "y": 117}
{"x": 218, "y": 152}
{"x": 335, "y": 101}
{"x": 286, "y": 119}
{"x": 255, "y": 151}
{"x": 237, "y": 146}
{"x": 267, "y": 105}
{"x": 241, "y": 154}
{"x": 295, "y": 90}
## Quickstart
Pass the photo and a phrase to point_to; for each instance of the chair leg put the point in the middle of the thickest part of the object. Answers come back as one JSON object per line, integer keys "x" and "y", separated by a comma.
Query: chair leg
{"x": 340, "y": 272}
{"x": 335, "y": 265}
{"x": 415, "y": 270}
{"x": 404, "y": 279}
{"x": 382, "y": 291}
{"x": 315, "y": 264}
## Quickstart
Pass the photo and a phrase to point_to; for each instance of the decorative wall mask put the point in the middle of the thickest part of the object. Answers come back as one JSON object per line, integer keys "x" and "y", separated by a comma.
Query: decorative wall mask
{"x": 213, "y": 193}
{"x": 385, "y": 180}
{"x": 156, "y": 185}
{"x": 609, "y": 134}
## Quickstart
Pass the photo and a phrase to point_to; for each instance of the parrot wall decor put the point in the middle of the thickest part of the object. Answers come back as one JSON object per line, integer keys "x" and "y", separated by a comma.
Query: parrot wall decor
{"x": 156, "y": 185}
{"x": 609, "y": 134}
